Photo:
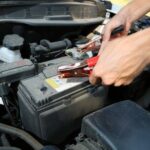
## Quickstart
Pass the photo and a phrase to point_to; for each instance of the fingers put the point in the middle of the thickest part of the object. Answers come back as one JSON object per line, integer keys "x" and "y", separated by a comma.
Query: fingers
{"x": 104, "y": 43}
{"x": 123, "y": 82}
{"x": 128, "y": 26}
{"x": 105, "y": 80}
{"x": 95, "y": 78}
{"x": 99, "y": 76}
{"x": 107, "y": 32}
{"x": 107, "y": 35}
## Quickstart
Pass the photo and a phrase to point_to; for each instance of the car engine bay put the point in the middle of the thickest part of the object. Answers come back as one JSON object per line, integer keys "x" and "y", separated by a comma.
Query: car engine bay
{"x": 41, "y": 111}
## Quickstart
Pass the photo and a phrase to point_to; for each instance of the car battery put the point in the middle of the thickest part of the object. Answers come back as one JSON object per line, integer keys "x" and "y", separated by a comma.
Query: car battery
{"x": 52, "y": 108}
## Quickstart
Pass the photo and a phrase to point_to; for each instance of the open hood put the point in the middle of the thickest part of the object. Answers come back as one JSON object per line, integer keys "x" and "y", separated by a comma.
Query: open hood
{"x": 56, "y": 12}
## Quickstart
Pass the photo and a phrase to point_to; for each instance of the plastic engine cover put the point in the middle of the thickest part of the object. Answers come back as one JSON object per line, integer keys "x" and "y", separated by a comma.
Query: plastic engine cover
{"x": 121, "y": 126}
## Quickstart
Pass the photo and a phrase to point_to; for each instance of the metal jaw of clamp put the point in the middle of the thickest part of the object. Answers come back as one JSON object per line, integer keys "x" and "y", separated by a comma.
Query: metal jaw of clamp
{"x": 95, "y": 37}
{"x": 79, "y": 69}
{"x": 95, "y": 42}
{"x": 92, "y": 45}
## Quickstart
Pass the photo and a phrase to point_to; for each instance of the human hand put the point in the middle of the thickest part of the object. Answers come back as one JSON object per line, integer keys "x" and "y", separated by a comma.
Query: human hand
{"x": 126, "y": 16}
{"x": 118, "y": 20}
{"x": 123, "y": 59}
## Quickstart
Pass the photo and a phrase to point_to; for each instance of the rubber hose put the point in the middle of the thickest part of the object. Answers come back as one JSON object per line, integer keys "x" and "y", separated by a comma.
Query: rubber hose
{"x": 9, "y": 148}
{"x": 22, "y": 135}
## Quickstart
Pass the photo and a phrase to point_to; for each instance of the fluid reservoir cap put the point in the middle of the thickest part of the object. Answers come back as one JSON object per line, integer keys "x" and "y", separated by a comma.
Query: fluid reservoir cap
{"x": 13, "y": 41}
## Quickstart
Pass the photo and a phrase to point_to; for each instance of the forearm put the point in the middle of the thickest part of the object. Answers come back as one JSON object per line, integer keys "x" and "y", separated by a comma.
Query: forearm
{"x": 146, "y": 35}
{"x": 141, "y": 40}
{"x": 136, "y": 9}
{"x": 123, "y": 59}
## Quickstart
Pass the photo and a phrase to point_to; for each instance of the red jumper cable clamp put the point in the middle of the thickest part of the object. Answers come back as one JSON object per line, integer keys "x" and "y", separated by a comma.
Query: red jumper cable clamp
{"x": 79, "y": 69}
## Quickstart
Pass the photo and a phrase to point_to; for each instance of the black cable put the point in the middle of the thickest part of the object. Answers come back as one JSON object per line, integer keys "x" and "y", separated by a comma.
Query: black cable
{"x": 14, "y": 107}
{"x": 22, "y": 135}
{"x": 4, "y": 140}
{"x": 4, "y": 99}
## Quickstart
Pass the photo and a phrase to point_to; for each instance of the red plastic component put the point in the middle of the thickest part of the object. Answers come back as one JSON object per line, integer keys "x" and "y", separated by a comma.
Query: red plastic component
{"x": 91, "y": 62}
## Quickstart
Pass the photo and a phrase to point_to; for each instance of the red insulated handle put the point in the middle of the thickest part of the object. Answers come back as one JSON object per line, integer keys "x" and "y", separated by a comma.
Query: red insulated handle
{"x": 91, "y": 62}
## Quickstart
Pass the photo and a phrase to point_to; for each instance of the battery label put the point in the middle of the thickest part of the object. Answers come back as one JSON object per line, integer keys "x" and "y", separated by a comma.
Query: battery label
{"x": 1, "y": 101}
{"x": 63, "y": 84}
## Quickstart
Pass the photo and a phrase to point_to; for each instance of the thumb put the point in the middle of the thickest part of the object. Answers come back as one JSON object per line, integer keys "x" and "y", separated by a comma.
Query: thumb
{"x": 107, "y": 33}
{"x": 104, "y": 43}
{"x": 106, "y": 37}
{"x": 127, "y": 28}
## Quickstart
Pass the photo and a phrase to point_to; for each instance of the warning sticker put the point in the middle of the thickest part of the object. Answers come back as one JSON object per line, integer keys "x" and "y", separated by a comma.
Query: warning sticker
{"x": 63, "y": 84}
{"x": 1, "y": 101}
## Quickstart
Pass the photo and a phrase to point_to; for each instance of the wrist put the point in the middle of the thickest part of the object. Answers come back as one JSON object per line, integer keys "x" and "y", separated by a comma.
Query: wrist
{"x": 146, "y": 32}
{"x": 140, "y": 44}
{"x": 144, "y": 44}
{"x": 135, "y": 9}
